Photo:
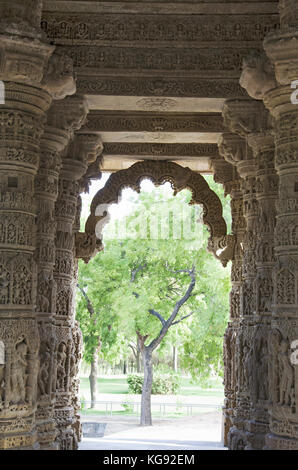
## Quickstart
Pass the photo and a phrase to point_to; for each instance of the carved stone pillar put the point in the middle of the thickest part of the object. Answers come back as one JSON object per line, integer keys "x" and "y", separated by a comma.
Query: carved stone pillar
{"x": 284, "y": 371}
{"x": 251, "y": 121}
{"x": 91, "y": 150}
{"x": 81, "y": 152}
{"x": 234, "y": 150}
{"x": 263, "y": 147}
{"x": 226, "y": 174}
{"x": 24, "y": 57}
{"x": 63, "y": 118}
{"x": 283, "y": 374}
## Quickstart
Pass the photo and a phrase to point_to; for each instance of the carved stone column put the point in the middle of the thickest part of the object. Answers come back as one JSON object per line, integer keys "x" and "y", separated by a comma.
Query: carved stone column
{"x": 283, "y": 53}
{"x": 81, "y": 152}
{"x": 24, "y": 56}
{"x": 284, "y": 373}
{"x": 234, "y": 150}
{"x": 63, "y": 118}
{"x": 226, "y": 174}
{"x": 263, "y": 147}
{"x": 91, "y": 150}
{"x": 277, "y": 96}
{"x": 251, "y": 121}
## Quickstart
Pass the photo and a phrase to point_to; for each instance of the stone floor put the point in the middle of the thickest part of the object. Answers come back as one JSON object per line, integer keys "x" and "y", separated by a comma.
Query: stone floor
{"x": 201, "y": 432}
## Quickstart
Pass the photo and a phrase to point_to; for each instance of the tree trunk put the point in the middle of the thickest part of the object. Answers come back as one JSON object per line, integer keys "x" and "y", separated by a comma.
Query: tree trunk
{"x": 124, "y": 367}
{"x": 140, "y": 346}
{"x": 138, "y": 362}
{"x": 146, "y": 419}
{"x": 175, "y": 359}
{"x": 93, "y": 379}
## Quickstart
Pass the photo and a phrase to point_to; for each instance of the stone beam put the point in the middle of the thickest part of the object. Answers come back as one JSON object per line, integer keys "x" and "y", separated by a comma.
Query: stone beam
{"x": 162, "y": 7}
{"x": 196, "y": 52}
{"x": 117, "y": 121}
{"x": 65, "y": 26}
{"x": 167, "y": 86}
{"x": 160, "y": 150}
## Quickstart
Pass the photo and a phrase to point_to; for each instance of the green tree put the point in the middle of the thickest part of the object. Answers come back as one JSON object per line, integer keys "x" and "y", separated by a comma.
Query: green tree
{"x": 154, "y": 274}
{"x": 97, "y": 284}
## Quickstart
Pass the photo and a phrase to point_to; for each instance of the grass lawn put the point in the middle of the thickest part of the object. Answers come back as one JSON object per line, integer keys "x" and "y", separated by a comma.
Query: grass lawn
{"x": 118, "y": 385}
{"x": 173, "y": 414}
{"x": 106, "y": 385}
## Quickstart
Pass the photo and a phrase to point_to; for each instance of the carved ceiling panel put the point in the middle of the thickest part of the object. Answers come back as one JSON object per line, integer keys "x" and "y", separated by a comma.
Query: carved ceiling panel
{"x": 158, "y": 50}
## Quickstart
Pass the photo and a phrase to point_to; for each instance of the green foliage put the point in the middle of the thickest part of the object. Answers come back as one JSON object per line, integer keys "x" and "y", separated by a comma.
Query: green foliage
{"x": 135, "y": 383}
{"x": 83, "y": 404}
{"x": 166, "y": 384}
{"x": 136, "y": 273}
{"x": 162, "y": 384}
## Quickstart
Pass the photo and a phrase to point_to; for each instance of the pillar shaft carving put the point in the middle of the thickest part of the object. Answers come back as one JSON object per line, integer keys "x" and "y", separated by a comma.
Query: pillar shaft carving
{"x": 61, "y": 121}
{"x": 255, "y": 164}
{"x": 28, "y": 189}
{"x": 283, "y": 376}
{"x": 263, "y": 147}
{"x": 227, "y": 148}
{"x": 22, "y": 120}
{"x": 82, "y": 151}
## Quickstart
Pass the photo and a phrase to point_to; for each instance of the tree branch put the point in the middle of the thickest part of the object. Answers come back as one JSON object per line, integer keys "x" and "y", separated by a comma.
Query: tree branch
{"x": 158, "y": 315}
{"x": 183, "y": 318}
{"x": 155, "y": 342}
{"x": 133, "y": 348}
{"x": 177, "y": 271}
{"x": 89, "y": 303}
{"x": 135, "y": 271}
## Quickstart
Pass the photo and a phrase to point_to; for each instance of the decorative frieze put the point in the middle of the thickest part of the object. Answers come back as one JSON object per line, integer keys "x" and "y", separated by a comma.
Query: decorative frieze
{"x": 199, "y": 87}
{"x": 99, "y": 28}
{"x": 143, "y": 149}
{"x": 138, "y": 122}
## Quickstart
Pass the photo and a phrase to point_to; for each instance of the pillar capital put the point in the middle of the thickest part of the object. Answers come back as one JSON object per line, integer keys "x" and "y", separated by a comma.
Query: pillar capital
{"x": 281, "y": 49}
{"x": 223, "y": 172}
{"x": 21, "y": 17}
{"x": 288, "y": 10}
{"x": 257, "y": 76}
{"x": 232, "y": 147}
{"x": 58, "y": 77}
{"x": 90, "y": 147}
{"x": 245, "y": 116}
{"x": 87, "y": 147}
{"x": 81, "y": 152}
{"x": 68, "y": 114}
{"x": 236, "y": 151}
{"x": 24, "y": 49}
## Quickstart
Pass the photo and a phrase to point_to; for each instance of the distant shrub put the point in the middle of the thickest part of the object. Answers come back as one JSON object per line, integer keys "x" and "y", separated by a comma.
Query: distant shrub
{"x": 162, "y": 384}
{"x": 135, "y": 383}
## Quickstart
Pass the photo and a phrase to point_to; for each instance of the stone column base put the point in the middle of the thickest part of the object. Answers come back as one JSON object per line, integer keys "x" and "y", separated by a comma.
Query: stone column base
{"x": 273, "y": 442}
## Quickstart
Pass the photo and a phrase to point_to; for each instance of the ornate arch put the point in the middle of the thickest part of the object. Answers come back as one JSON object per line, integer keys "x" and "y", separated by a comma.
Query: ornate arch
{"x": 158, "y": 172}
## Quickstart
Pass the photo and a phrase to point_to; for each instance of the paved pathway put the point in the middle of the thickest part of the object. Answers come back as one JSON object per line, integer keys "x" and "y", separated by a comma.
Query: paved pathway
{"x": 188, "y": 433}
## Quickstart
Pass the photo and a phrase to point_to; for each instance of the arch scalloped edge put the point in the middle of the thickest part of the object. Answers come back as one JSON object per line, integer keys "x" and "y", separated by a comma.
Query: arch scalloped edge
{"x": 159, "y": 172}
{"x": 225, "y": 245}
